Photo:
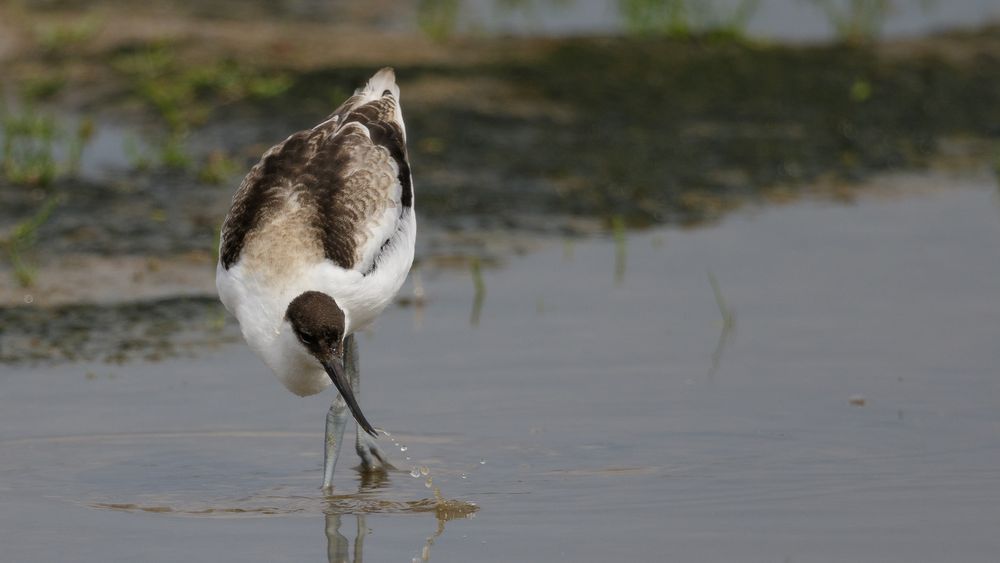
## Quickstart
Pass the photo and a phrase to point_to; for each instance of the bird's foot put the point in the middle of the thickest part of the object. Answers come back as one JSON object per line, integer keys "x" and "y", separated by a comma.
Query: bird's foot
{"x": 372, "y": 456}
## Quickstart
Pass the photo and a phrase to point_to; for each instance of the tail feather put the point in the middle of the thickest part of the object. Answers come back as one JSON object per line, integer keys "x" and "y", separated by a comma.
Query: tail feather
{"x": 378, "y": 85}
{"x": 382, "y": 81}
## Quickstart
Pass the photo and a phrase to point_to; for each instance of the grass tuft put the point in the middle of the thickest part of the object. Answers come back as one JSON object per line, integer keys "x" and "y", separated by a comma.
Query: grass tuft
{"x": 28, "y": 144}
{"x": 683, "y": 18}
{"x": 19, "y": 242}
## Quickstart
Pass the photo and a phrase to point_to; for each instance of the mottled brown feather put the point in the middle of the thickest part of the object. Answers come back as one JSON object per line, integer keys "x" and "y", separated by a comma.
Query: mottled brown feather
{"x": 342, "y": 176}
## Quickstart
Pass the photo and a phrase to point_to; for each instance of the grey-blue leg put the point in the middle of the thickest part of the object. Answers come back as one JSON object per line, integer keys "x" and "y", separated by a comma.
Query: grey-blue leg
{"x": 369, "y": 452}
{"x": 336, "y": 422}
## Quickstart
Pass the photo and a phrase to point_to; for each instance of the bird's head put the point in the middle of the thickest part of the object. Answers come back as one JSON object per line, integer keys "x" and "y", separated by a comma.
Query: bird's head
{"x": 319, "y": 325}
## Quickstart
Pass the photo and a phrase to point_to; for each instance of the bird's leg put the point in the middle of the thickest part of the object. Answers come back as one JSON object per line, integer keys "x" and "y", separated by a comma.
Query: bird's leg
{"x": 336, "y": 422}
{"x": 371, "y": 455}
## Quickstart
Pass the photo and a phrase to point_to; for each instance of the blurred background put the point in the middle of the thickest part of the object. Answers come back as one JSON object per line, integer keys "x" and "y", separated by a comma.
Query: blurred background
{"x": 126, "y": 128}
{"x": 725, "y": 268}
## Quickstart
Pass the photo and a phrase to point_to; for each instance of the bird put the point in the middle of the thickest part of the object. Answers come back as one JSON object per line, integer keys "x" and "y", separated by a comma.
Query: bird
{"x": 319, "y": 239}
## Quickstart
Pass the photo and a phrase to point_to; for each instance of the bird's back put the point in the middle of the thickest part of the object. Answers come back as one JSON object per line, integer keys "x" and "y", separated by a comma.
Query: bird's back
{"x": 328, "y": 209}
{"x": 337, "y": 191}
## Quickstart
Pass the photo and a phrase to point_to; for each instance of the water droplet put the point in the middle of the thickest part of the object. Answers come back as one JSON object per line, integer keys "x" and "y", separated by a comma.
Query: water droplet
{"x": 464, "y": 476}
{"x": 415, "y": 560}
{"x": 415, "y": 472}
{"x": 29, "y": 299}
{"x": 424, "y": 470}
{"x": 482, "y": 461}
{"x": 403, "y": 448}
{"x": 429, "y": 482}
{"x": 407, "y": 458}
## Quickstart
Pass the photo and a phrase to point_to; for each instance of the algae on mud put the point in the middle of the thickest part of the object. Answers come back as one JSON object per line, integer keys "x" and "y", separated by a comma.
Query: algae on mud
{"x": 147, "y": 330}
{"x": 562, "y": 136}
{"x": 658, "y": 130}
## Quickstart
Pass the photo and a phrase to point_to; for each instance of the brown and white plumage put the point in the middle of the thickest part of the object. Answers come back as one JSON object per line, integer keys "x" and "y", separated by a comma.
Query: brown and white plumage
{"x": 329, "y": 209}
{"x": 346, "y": 181}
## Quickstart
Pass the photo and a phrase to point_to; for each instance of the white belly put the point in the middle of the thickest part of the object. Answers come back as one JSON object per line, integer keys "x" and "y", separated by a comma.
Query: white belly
{"x": 259, "y": 301}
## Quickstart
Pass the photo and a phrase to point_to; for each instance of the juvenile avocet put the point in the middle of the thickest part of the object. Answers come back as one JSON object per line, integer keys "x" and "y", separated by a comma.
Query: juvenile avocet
{"x": 319, "y": 239}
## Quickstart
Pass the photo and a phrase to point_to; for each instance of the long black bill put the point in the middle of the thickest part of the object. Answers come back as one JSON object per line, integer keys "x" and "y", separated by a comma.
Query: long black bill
{"x": 335, "y": 369}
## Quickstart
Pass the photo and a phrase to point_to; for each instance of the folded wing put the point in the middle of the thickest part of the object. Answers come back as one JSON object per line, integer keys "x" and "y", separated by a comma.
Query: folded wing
{"x": 349, "y": 178}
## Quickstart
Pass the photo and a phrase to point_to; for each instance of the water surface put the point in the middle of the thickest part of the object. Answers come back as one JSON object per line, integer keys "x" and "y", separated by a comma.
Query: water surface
{"x": 849, "y": 414}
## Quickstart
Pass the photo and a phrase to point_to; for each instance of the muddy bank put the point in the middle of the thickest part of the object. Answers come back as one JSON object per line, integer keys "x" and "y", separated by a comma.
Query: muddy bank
{"x": 149, "y": 330}
{"x": 658, "y": 131}
{"x": 510, "y": 138}
{"x": 655, "y": 130}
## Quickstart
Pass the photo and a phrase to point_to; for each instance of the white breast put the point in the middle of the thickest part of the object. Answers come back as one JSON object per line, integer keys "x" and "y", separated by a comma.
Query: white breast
{"x": 258, "y": 300}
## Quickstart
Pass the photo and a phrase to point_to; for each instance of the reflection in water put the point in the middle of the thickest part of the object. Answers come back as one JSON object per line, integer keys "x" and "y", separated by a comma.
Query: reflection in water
{"x": 480, "y": 295}
{"x": 373, "y": 480}
{"x": 618, "y": 230}
{"x": 728, "y": 324}
{"x": 375, "y": 494}
{"x": 337, "y": 545}
{"x": 720, "y": 346}
{"x": 283, "y": 503}
{"x": 337, "y": 548}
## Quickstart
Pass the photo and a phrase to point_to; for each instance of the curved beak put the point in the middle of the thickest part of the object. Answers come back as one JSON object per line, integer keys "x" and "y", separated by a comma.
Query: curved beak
{"x": 335, "y": 369}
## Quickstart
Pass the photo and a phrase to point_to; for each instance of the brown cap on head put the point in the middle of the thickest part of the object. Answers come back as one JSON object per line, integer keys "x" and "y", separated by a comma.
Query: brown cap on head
{"x": 318, "y": 323}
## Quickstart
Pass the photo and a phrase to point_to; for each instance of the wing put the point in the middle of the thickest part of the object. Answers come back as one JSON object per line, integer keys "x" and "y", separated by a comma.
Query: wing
{"x": 263, "y": 194}
{"x": 364, "y": 206}
{"x": 351, "y": 176}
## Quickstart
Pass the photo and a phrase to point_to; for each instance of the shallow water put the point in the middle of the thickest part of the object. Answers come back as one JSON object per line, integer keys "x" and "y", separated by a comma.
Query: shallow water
{"x": 782, "y": 20}
{"x": 850, "y": 412}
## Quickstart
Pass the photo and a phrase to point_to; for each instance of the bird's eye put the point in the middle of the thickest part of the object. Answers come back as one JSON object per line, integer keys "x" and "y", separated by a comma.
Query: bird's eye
{"x": 306, "y": 338}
